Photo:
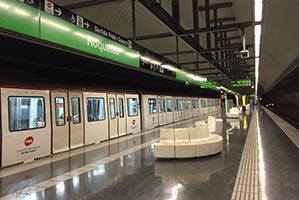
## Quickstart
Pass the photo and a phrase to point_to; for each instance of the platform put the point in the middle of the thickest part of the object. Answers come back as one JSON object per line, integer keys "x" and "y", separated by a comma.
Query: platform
{"x": 125, "y": 168}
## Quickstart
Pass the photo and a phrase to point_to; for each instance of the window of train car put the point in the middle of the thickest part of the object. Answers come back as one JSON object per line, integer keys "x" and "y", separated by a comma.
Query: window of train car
{"x": 112, "y": 108}
{"x": 121, "y": 107}
{"x": 195, "y": 104}
{"x": 169, "y": 105}
{"x": 161, "y": 105}
{"x": 59, "y": 111}
{"x": 189, "y": 104}
{"x": 175, "y": 105}
{"x": 180, "y": 105}
{"x": 76, "y": 110}
{"x": 202, "y": 103}
{"x": 26, "y": 113}
{"x": 152, "y": 106}
{"x": 132, "y": 107}
{"x": 95, "y": 109}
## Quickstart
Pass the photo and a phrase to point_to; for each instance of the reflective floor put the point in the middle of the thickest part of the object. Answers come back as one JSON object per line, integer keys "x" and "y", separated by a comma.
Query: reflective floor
{"x": 137, "y": 174}
{"x": 280, "y": 157}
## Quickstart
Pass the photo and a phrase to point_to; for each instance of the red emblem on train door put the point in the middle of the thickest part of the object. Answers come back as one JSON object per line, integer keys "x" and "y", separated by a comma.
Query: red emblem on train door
{"x": 28, "y": 141}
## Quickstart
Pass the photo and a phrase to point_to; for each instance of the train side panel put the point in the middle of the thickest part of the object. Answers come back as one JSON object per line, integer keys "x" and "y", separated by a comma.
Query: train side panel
{"x": 26, "y": 125}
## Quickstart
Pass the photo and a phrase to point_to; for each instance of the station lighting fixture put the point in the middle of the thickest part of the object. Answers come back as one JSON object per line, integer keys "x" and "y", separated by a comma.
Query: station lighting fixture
{"x": 258, "y": 15}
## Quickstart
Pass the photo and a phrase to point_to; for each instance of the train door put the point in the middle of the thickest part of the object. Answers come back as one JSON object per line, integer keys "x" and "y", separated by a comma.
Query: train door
{"x": 162, "y": 111}
{"x": 25, "y": 125}
{"x": 121, "y": 116}
{"x": 149, "y": 108}
{"x": 67, "y": 126}
{"x": 113, "y": 124}
{"x": 169, "y": 109}
{"x": 60, "y": 126}
{"x": 181, "y": 109}
{"x": 76, "y": 123}
{"x": 133, "y": 116}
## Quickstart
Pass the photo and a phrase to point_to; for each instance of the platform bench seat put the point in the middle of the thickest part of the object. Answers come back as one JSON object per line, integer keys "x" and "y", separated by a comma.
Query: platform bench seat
{"x": 187, "y": 143}
{"x": 233, "y": 113}
{"x": 215, "y": 125}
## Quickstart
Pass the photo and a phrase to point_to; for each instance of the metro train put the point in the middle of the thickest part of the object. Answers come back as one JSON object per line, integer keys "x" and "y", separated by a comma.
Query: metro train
{"x": 39, "y": 122}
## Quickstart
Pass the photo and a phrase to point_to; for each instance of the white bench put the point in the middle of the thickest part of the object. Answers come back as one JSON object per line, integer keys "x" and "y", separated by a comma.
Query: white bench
{"x": 233, "y": 113}
{"x": 187, "y": 143}
{"x": 215, "y": 125}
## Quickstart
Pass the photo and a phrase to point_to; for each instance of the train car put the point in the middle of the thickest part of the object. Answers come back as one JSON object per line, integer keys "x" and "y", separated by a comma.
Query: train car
{"x": 39, "y": 122}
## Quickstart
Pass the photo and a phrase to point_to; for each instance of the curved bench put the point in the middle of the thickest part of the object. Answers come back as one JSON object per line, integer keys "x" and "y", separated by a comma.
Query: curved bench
{"x": 233, "y": 113}
{"x": 187, "y": 143}
{"x": 215, "y": 125}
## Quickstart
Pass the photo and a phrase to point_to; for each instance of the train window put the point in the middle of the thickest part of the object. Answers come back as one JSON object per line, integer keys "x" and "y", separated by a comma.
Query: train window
{"x": 175, "y": 104}
{"x": 169, "y": 105}
{"x": 76, "y": 110}
{"x": 161, "y": 105}
{"x": 189, "y": 104}
{"x": 95, "y": 109}
{"x": 59, "y": 111}
{"x": 121, "y": 107}
{"x": 196, "y": 104}
{"x": 202, "y": 103}
{"x": 152, "y": 106}
{"x": 112, "y": 108}
{"x": 180, "y": 105}
{"x": 132, "y": 107}
{"x": 26, "y": 113}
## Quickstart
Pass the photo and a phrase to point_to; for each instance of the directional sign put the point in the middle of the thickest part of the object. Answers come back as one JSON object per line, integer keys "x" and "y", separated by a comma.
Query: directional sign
{"x": 241, "y": 83}
{"x": 62, "y": 13}
{"x": 33, "y": 3}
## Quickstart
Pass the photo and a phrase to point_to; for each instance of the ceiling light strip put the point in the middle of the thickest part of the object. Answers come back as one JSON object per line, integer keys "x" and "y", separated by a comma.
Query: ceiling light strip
{"x": 258, "y": 15}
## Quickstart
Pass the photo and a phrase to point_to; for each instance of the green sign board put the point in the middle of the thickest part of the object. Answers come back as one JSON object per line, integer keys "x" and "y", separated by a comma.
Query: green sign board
{"x": 58, "y": 31}
{"x": 46, "y": 21}
{"x": 29, "y": 20}
{"x": 241, "y": 83}
{"x": 19, "y": 17}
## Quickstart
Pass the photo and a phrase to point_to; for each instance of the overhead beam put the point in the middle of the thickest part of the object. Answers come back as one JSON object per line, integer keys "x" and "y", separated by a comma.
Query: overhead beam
{"x": 154, "y": 36}
{"x": 221, "y": 20}
{"x": 193, "y": 62}
{"x": 231, "y": 60}
{"x": 216, "y": 6}
{"x": 225, "y": 48}
{"x": 166, "y": 35}
{"x": 165, "y": 19}
{"x": 88, "y": 3}
{"x": 225, "y": 27}
{"x": 214, "y": 73}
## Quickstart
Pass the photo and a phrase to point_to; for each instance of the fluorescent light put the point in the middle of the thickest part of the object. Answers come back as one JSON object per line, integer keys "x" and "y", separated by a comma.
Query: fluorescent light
{"x": 4, "y": 5}
{"x": 21, "y": 12}
{"x": 155, "y": 62}
{"x": 258, "y": 10}
{"x": 115, "y": 48}
{"x": 80, "y": 34}
{"x": 54, "y": 24}
{"x": 147, "y": 59}
{"x": 133, "y": 55}
{"x": 169, "y": 67}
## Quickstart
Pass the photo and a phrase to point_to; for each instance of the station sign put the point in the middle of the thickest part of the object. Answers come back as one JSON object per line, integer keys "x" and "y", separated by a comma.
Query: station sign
{"x": 241, "y": 83}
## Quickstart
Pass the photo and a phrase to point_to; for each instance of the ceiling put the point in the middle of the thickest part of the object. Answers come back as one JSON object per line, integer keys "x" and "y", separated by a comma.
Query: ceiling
{"x": 116, "y": 15}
